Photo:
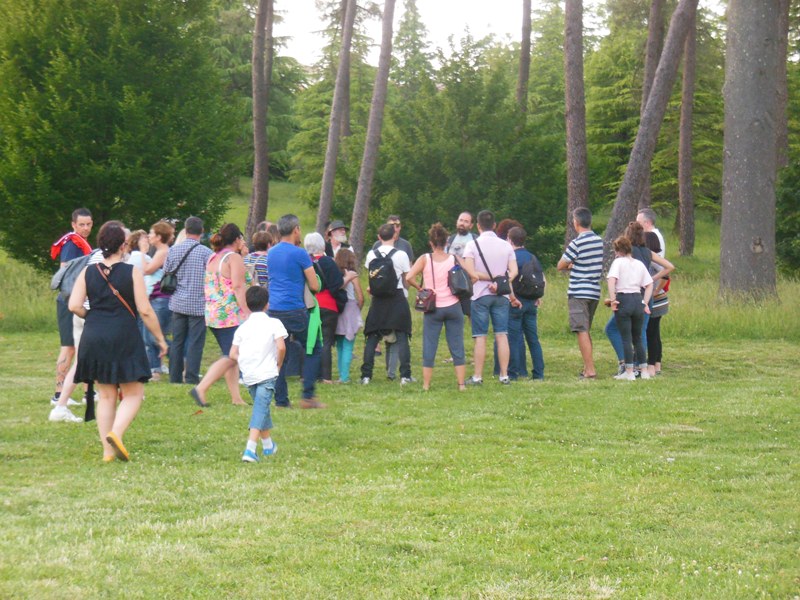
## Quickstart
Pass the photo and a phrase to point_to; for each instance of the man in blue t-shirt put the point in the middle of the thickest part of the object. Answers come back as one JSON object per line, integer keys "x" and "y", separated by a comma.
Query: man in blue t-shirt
{"x": 290, "y": 270}
{"x": 583, "y": 258}
{"x": 522, "y": 318}
{"x": 70, "y": 246}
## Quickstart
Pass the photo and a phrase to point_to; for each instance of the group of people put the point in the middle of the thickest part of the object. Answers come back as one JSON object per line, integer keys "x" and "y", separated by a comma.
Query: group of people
{"x": 283, "y": 303}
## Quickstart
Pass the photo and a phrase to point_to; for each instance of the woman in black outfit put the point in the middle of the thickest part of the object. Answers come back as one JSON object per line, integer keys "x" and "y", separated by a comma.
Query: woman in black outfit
{"x": 112, "y": 351}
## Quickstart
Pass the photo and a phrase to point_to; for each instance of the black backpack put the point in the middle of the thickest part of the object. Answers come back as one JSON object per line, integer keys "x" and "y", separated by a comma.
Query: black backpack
{"x": 529, "y": 282}
{"x": 382, "y": 276}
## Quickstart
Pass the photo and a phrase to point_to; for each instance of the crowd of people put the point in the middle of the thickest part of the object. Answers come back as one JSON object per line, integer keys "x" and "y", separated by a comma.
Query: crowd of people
{"x": 281, "y": 305}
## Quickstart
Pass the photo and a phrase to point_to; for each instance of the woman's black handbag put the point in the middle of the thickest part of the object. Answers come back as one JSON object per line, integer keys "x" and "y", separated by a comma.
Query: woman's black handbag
{"x": 459, "y": 282}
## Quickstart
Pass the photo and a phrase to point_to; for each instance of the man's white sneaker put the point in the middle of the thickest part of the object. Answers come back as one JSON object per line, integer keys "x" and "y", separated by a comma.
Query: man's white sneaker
{"x": 70, "y": 402}
{"x": 62, "y": 413}
{"x": 365, "y": 381}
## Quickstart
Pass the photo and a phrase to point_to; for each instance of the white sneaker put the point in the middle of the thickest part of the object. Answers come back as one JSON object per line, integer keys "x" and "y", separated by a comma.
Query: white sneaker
{"x": 62, "y": 413}
{"x": 625, "y": 376}
{"x": 365, "y": 381}
{"x": 644, "y": 374}
{"x": 70, "y": 402}
{"x": 406, "y": 380}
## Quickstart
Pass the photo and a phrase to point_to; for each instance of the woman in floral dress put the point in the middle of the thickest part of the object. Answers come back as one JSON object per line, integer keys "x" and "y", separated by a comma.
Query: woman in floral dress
{"x": 225, "y": 285}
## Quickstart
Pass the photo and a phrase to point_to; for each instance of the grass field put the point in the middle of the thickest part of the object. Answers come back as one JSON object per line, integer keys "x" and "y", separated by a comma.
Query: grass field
{"x": 682, "y": 487}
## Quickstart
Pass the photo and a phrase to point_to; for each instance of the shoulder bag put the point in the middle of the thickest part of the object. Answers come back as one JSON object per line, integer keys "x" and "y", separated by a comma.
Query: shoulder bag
{"x": 426, "y": 298}
{"x": 501, "y": 281}
{"x": 169, "y": 281}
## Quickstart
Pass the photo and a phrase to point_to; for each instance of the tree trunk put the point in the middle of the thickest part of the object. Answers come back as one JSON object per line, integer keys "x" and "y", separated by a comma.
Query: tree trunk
{"x": 747, "y": 244}
{"x": 369, "y": 161}
{"x": 783, "y": 86}
{"x": 524, "y": 58}
{"x": 643, "y": 148}
{"x": 685, "y": 191}
{"x": 344, "y": 69}
{"x": 334, "y": 128}
{"x": 263, "y": 52}
{"x": 577, "y": 161}
{"x": 655, "y": 40}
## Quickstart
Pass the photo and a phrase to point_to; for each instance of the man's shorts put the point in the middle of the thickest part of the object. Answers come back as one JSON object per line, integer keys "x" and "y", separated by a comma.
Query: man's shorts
{"x": 64, "y": 323}
{"x": 486, "y": 308}
{"x": 581, "y": 313}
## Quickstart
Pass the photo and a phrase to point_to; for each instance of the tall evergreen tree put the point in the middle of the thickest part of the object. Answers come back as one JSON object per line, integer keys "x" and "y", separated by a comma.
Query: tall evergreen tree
{"x": 116, "y": 106}
{"x": 577, "y": 161}
{"x": 747, "y": 240}
{"x": 524, "y": 57}
{"x": 685, "y": 182}
{"x": 372, "y": 145}
{"x": 655, "y": 39}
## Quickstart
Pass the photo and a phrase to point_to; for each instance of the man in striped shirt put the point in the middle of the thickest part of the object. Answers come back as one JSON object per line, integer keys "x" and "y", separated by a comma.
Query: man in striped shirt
{"x": 583, "y": 258}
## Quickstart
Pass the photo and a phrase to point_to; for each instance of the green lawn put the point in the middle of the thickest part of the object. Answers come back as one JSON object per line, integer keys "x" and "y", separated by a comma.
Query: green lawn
{"x": 682, "y": 487}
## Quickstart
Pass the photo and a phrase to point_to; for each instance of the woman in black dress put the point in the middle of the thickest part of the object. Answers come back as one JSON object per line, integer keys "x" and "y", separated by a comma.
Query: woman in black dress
{"x": 112, "y": 351}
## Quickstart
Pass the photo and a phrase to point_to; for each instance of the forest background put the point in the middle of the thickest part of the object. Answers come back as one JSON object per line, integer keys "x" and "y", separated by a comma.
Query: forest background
{"x": 143, "y": 110}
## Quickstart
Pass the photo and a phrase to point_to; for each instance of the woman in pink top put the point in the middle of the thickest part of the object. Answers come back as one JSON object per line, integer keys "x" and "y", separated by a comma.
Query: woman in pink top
{"x": 434, "y": 268}
{"x": 226, "y": 308}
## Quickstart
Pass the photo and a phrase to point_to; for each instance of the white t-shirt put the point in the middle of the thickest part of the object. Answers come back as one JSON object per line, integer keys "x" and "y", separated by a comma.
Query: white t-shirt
{"x": 458, "y": 244}
{"x": 631, "y": 275}
{"x": 401, "y": 264}
{"x": 660, "y": 237}
{"x": 258, "y": 353}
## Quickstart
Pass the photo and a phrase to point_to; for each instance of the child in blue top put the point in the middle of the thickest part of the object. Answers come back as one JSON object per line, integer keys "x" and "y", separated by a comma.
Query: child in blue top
{"x": 259, "y": 347}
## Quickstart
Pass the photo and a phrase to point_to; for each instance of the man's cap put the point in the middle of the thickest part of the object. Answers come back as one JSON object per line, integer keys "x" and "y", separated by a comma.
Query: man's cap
{"x": 337, "y": 225}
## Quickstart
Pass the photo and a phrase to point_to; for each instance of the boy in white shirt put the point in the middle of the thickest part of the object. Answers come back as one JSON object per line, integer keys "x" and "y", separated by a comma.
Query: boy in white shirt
{"x": 259, "y": 347}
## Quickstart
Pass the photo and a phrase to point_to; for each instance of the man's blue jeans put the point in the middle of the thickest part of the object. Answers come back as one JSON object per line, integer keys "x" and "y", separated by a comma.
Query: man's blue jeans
{"x": 522, "y": 330}
{"x": 188, "y": 339}
{"x": 296, "y": 324}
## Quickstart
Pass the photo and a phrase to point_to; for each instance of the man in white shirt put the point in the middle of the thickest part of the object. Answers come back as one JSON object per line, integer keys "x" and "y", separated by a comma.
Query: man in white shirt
{"x": 389, "y": 317}
{"x": 647, "y": 218}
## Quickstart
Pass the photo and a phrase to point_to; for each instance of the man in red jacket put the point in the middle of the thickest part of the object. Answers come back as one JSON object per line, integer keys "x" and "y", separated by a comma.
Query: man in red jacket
{"x": 70, "y": 246}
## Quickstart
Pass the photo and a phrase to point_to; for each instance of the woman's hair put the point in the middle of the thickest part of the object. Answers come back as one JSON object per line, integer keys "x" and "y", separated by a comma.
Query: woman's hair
{"x": 622, "y": 245}
{"x": 314, "y": 243}
{"x": 503, "y": 227}
{"x": 164, "y": 231}
{"x": 346, "y": 260}
{"x": 133, "y": 240}
{"x": 262, "y": 240}
{"x": 652, "y": 242}
{"x": 226, "y": 236}
{"x": 437, "y": 235}
{"x": 110, "y": 238}
{"x": 635, "y": 233}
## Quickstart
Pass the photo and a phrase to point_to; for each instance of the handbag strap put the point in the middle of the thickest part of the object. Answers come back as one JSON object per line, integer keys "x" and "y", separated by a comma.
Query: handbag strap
{"x": 433, "y": 272}
{"x": 115, "y": 290}
{"x": 483, "y": 259}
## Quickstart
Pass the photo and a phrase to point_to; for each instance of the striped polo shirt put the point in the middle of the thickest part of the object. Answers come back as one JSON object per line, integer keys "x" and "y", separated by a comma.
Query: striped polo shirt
{"x": 585, "y": 253}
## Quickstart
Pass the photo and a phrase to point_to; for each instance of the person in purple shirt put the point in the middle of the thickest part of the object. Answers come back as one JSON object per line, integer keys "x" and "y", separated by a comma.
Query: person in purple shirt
{"x": 485, "y": 258}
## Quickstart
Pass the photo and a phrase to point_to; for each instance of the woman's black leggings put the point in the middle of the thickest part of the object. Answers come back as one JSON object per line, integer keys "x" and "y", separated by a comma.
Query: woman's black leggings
{"x": 654, "y": 340}
{"x": 630, "y": 317}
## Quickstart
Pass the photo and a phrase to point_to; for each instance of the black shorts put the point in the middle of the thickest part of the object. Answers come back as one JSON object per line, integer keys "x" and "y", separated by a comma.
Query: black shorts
{"x": 64, "y": 323}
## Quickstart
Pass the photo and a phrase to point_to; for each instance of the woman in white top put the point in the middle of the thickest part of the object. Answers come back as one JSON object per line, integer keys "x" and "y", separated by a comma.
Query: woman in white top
{"x": 627, "y": 277}
{"x": 434, "y": 268}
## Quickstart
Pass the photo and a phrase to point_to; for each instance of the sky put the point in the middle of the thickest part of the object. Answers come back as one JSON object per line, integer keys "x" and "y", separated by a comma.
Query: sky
{"x": 442, "y": 18}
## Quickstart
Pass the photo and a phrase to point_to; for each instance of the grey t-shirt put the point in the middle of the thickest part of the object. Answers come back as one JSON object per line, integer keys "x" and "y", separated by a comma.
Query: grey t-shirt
{"x": 400, "y": 244}
{"x": 458, "y": 243}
